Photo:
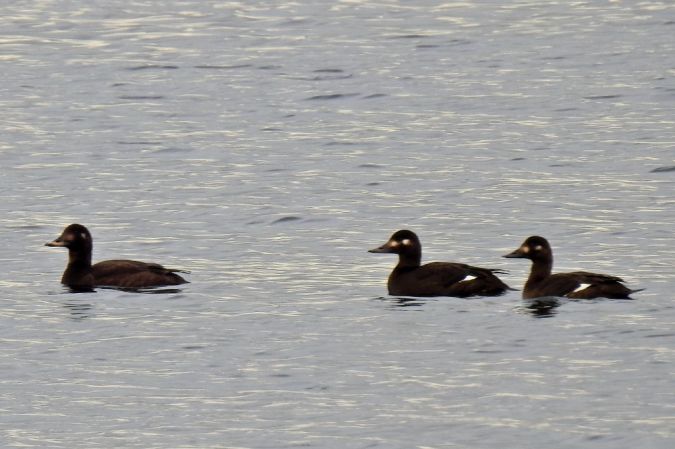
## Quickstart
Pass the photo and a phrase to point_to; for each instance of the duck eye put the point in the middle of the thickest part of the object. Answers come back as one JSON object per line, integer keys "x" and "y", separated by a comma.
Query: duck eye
{"x": 83, "y": 236}
{"x": 405, "y": 242}
{"x": 538, "y": 248}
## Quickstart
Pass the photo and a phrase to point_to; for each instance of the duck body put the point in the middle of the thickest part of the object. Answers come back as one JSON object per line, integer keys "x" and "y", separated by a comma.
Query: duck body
{"x": 445, "y": 279}
{"x": 80, "y": 274}
{"x": 576, "y": 285}
{"x": 134, "y": 274}
{"x": 410, "y": 278}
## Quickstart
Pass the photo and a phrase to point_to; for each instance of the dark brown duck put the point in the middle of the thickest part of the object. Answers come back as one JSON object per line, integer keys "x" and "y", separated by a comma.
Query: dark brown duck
{"x": 410, "y": 278}
{"x": 577, "y": 284}
{"x": 80, "y": 274}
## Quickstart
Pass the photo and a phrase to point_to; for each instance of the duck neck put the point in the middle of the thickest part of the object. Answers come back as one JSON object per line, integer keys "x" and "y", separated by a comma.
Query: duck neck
{"x": 79, "y": 258}
{"x": 411, "y": 259}
{"x": 78, "y": 272}
{"x": 541, "y": 269}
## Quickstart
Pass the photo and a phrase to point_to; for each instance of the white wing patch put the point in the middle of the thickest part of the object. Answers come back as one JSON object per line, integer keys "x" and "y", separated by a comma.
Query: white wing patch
{"x": 468, "y": 277}
{"x": 581, "y": 287}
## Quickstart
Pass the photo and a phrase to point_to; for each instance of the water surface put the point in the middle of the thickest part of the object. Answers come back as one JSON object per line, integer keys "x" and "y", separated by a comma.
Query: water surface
{"x": 265, "y": 147}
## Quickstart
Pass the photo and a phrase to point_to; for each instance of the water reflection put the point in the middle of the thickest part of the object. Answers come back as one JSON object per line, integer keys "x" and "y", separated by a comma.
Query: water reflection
{"x": 151, "y": 291}
{"x": 544, "y": 307}
{"x": 79, "y": 310}
{"x": 74, "y": 289}
{"x": 401, "y": 302}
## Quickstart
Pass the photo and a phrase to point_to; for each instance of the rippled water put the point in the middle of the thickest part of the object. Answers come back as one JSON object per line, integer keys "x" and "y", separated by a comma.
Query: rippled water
{"x": 265, "y": 146}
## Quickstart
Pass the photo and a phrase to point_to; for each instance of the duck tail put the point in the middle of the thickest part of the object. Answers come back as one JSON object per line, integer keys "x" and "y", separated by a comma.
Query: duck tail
{"x": 634, "y": 291}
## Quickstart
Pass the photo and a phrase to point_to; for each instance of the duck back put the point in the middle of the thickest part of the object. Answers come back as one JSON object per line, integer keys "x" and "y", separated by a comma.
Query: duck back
{"x": 134, "y": 274}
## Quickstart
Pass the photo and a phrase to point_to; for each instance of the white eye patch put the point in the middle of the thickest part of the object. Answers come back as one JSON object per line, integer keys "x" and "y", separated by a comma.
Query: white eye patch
{"x": 83, "y": 236}
{"x": 468, "y": 277}
{"x": 538, "y": 248}
{"x": 405, "y": 242}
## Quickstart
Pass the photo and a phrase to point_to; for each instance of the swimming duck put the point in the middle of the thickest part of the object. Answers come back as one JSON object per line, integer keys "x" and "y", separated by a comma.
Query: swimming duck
{"x": 410, "y": 278}
{"x": 577, "y": 284}
{"x": 80, "y": 274}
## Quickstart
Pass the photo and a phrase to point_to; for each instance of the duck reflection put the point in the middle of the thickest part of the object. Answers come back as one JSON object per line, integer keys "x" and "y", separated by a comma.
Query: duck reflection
{"x": 79, "y": 310}
{"x": 544, "y": 307}
{"x": 147, "y": 291}
{"x": 402, "y": 302}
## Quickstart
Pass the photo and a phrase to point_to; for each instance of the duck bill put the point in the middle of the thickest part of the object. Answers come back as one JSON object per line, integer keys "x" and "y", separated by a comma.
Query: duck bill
{"x": 386, "y": 248}
{"x": 517, "y": 254}
{"x": 58, "y": 242}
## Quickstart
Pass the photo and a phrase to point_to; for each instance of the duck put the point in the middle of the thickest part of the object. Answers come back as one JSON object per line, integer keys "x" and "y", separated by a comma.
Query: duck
{"x": 574, "y": 285}
{"x": 81, "y": 275}
{"x": 411, "y": 278}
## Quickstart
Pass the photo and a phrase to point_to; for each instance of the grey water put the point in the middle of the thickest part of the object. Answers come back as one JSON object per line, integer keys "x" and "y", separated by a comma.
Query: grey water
{"x": 266, "y": 146}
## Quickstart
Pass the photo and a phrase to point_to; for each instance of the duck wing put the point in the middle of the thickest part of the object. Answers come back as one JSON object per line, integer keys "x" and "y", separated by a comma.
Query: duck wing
{"x": 444, "y": 273}
{"x": 134, "y": 274}
{"x": 595, "y": 278}
{"x": 586, "y": 285}
{"x": 480, "y": 281}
